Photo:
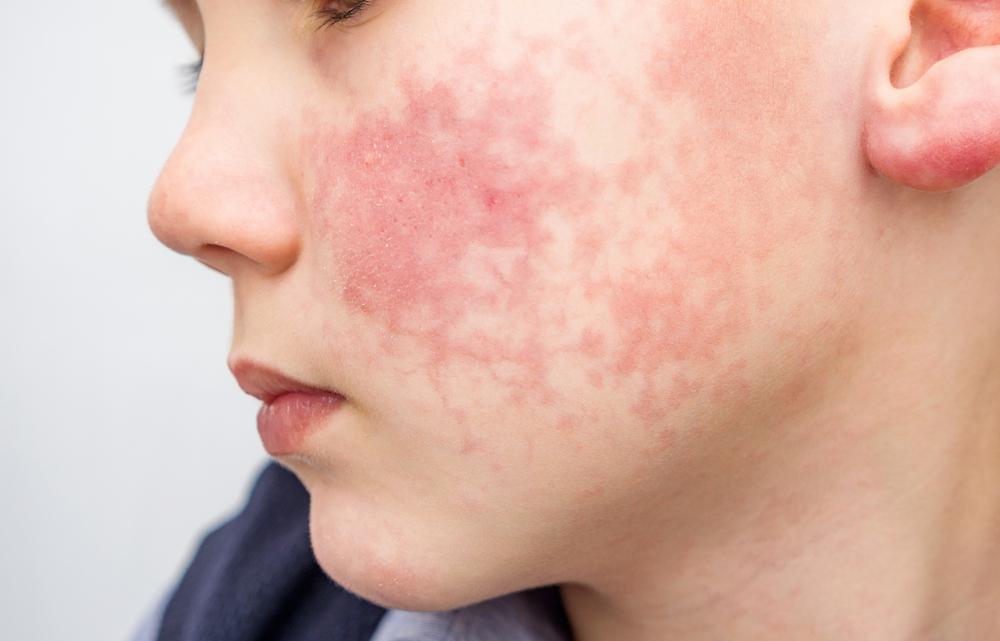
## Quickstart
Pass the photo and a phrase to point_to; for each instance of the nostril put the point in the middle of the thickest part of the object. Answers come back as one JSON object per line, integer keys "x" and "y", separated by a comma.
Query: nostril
{"x": 218, "y": 258}
{"x": 211, "y": 266}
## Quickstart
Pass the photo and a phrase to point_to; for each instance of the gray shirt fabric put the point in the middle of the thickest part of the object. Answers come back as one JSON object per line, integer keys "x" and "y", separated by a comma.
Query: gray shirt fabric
{"x": 514, "y": 617}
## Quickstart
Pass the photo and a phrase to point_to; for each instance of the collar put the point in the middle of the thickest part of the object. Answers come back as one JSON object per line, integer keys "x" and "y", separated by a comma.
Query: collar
{"x": 532, "y": 615}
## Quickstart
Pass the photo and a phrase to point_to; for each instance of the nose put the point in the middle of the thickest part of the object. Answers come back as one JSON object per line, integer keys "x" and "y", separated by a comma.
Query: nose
{"x": 224, "y": 195}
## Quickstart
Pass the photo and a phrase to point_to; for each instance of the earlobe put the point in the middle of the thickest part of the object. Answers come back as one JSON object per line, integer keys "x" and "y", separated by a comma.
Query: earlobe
{"x": 942, "y": 130}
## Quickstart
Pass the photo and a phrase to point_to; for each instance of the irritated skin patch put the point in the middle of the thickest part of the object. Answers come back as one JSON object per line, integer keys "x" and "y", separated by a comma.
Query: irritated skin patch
{"x": 438, "y": 215}
{"x": 448, "y": 219}
{"x": 439, "y": 219}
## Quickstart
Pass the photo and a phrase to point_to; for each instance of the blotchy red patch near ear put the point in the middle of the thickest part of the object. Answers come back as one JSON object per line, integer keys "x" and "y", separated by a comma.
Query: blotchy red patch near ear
{"x": 662, "y": 248}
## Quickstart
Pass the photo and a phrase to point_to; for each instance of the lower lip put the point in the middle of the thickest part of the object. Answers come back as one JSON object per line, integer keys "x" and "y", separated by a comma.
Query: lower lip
{"x": 286, "y": 422}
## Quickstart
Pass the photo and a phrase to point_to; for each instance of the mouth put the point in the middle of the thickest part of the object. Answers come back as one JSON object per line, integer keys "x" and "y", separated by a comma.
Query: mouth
{"x": 292, "y": 410}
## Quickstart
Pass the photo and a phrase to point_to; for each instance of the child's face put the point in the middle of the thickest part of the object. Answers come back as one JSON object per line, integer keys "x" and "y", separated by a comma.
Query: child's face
{"x": 559, "y": 257}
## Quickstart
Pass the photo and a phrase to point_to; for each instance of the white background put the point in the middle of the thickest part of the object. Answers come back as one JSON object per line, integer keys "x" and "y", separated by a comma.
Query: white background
{"x": 123, "y": 437}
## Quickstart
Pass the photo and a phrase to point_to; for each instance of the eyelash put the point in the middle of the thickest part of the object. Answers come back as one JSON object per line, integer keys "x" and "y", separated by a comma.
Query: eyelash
{"x": 329, "y": 16}
{"x": 326, "y": 16}
{"x": 190, "y": 73}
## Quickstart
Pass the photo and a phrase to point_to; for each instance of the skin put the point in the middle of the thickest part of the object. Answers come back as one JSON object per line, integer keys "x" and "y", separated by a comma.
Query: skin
{"x": 638, "y": 299}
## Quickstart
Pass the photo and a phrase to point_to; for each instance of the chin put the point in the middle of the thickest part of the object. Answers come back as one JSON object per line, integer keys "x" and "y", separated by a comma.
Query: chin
{"x": 399, "y": 572}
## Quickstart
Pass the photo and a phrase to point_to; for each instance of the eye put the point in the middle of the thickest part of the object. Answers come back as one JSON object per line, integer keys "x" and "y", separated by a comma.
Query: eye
{"x": 328, "y": 14}
{"x": 333, "y": 12}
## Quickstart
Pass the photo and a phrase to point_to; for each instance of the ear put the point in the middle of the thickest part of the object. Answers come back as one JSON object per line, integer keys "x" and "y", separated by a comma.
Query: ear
{"x": 933, "y": 100}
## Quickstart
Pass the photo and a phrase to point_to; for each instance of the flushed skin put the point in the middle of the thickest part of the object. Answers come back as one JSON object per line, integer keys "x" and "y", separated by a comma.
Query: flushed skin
{"x": 641, "y": 299}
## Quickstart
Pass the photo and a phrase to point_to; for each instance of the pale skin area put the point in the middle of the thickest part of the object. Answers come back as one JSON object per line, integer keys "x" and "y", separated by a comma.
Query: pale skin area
{"x": 637, "y": 300}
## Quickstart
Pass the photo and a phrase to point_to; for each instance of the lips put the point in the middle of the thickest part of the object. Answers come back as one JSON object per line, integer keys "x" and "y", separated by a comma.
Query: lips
{"x": 291, "y": 410}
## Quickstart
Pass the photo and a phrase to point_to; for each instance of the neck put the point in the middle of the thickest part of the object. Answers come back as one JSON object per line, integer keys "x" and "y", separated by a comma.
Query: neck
{"x": 871, "y": 513}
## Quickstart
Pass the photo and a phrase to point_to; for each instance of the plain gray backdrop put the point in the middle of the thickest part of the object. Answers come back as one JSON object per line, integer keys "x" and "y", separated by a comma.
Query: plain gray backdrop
{"x": 124, "y": 437}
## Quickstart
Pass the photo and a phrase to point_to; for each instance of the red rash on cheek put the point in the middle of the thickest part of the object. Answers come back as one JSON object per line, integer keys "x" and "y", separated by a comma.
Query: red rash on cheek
{"x": 443, "y": 216}
{"x": 435, "y": 214}
{"x": 733, "y": 170}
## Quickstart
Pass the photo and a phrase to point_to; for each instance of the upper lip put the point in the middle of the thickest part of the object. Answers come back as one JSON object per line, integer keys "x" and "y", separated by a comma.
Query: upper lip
{"x": 267, "y": 383}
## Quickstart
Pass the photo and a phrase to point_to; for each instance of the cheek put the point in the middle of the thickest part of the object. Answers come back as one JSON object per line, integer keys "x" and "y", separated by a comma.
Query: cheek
{"x": 448, "y": 219}
{"x": 464, "y": 221}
